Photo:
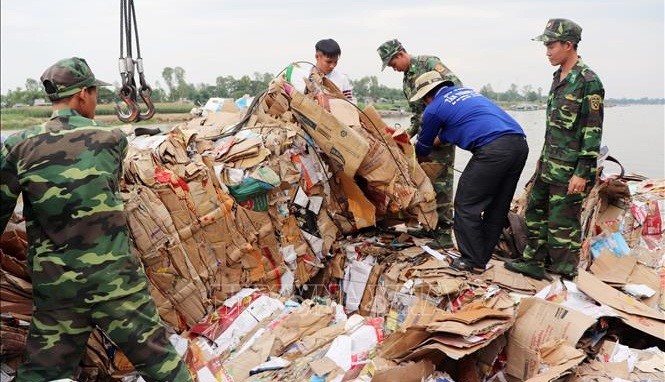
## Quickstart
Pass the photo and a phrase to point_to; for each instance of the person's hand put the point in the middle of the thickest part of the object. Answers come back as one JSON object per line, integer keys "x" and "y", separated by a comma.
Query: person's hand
{"x": 576, "y": 185}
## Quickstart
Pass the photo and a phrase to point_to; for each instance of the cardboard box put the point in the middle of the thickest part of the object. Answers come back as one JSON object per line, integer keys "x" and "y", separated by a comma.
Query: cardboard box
{"x": 341, "y": 143}
{"x": 411, "y": 372}
{"x": 344, "y": 111}
{"x": 538, "y": 324}
{"x": 632, "y": 312}
{"x": 613, "y": 269}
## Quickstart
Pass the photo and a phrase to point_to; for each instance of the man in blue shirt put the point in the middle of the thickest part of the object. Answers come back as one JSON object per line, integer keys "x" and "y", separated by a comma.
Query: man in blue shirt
{"x": 465, "y": 118}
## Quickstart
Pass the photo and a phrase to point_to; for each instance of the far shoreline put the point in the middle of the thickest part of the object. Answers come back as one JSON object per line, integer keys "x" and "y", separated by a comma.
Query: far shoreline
{"x": 13, "y": 119}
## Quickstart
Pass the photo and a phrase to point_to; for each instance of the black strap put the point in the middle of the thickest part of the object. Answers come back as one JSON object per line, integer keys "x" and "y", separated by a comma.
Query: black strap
{"x": 614, "y": 160}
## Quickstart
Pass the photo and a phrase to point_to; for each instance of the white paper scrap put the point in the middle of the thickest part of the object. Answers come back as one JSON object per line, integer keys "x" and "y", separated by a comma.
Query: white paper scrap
{"x": 437, "y": 255}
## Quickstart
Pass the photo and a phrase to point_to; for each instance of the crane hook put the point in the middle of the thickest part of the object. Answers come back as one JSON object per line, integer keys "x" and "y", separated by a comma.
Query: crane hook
{"x": 126, "y": 93}
{"x": 146, "y": 93}
{"x": 128, "y": 67}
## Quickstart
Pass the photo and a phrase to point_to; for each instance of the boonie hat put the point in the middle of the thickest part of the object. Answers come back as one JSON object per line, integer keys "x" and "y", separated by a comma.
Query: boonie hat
{"x": 426, "y": 82}
{"x": 387, "y": 50}
{"x": 67, "y": 77}
{"x": 561, "y": 30}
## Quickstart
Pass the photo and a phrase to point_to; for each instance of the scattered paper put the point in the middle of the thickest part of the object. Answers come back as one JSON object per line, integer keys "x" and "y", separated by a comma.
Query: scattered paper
{"x": 639, "y": 290}
{"x": 437, "y": 255}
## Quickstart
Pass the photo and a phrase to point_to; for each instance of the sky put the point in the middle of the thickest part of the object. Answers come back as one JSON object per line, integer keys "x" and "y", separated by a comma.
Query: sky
{"x": 482, "y": 41}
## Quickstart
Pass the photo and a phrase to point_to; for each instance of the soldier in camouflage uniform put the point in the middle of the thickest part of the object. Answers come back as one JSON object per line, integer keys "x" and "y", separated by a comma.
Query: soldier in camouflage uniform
{"x": 393, "y": 54}
{"x": 83, "y": 273}
{"x": 566, "y": 169}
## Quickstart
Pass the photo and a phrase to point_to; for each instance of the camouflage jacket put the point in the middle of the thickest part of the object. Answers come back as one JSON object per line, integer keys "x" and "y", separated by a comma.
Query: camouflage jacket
{"x": 573, "y": 127}
{"x": 421, "y": 65}
{"x": 68, "y": 171}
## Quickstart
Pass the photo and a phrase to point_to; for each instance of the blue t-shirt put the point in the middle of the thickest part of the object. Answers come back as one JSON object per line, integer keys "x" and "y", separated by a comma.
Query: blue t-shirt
{"x": 465, "y": 118}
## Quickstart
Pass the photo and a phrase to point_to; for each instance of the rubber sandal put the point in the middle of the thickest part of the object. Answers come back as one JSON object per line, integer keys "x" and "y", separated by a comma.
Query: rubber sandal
{"x": 461, "y": 265}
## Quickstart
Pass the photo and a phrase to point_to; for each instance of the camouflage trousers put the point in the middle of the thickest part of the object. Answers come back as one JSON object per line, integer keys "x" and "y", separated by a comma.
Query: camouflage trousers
{"x": 553, "y": 226}
{"x": 57, "y": 339}
{"x": 443, "y": 185}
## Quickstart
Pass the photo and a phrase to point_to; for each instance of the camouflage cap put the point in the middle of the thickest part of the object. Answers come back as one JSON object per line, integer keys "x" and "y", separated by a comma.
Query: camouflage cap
{"x": 67, "y": 77}
{"x": 561, "y": 30}
{"x": 387, "y": 50}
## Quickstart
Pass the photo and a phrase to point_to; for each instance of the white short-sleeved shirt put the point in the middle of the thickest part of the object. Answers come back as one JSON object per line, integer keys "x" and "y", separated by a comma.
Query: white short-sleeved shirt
{"x": 342, "y": 82}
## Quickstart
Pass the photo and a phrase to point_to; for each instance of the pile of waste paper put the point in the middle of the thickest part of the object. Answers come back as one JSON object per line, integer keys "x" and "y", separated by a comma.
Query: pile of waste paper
{"x": 278, "y": 244}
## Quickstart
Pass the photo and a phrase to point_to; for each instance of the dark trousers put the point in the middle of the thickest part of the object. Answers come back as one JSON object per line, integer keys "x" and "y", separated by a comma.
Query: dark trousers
{"x": 484, "y": 192}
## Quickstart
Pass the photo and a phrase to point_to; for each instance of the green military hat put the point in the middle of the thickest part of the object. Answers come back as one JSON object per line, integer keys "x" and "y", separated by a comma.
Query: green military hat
{"x": 561, "y": 30}
{"x": 67, "y": 77}
{"x": 388, "y": 49}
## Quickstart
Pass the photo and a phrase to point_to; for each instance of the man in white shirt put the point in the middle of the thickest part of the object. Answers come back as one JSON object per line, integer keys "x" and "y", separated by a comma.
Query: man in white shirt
{"x": 327, "y": 54}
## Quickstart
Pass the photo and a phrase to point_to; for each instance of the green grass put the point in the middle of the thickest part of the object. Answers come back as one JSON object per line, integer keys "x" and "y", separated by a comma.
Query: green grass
{"x": 23, "y": 117}
{"x": 391, "y": 105}
{"x": 11, "y": 121}
{"x": 27, "y": 112}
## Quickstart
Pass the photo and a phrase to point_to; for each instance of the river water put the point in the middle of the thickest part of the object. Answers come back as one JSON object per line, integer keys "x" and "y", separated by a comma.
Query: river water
{"x": 635, "y": 136}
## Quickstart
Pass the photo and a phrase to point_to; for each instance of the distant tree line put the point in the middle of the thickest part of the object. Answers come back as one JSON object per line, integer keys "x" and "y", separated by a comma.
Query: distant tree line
{"x": 633, "y": 101}
{"x": 369, "y": 87}
{"x": 366, "y": 89}
{"x": 177, "y": 87}
{"x": 514, "y": 94}
{"x": 34, "y": 91}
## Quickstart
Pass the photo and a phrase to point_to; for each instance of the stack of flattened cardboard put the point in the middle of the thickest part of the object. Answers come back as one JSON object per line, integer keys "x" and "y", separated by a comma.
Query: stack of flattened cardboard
{"x": 15, "y": 292}
{"x": 178, "y": 289}
{"x": 564, "y": 318}
{"x": 212, "y": 208}
{"x": 413, "y": 184}
{"x": 515, "y": 282}
{"x": 440, "y": 317}
{"x": 625, "y": 251}
{"x": 15, "y": 285}
{"x": 258, "y": 337}
{"x": 360, "y": 143}
{"x": 625, "y": 241}
{"x": 615, "y": 361}
{"x": 207, "y": 246}
{"x": 456, "y": 334}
